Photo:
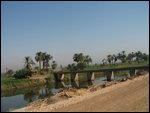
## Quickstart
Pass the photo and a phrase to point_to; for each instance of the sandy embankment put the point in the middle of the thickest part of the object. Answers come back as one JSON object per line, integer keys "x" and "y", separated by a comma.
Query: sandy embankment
{"x": 131, "y": 95}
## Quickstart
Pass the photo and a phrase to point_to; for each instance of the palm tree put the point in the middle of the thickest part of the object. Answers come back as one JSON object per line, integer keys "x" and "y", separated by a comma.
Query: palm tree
{"x": 39, "y": 57}
{"x": 54, "y": 65}
{"x": 48, "y": 57}
{"x": 79, "y": 58}
{"x": 75, "y": 58}
{"x": 82, "y": 60}
{"x": 104, "y": 61}
{"x": 72, "y": 67}
{"x": 28, "y": 62}
{"x": 119, "y": 56}
{"x": 145, "y": 57}
{"x": 109, "y": 58}
{"x": 138, "y": 56}
{"x": 129, "y": 58}
{"x": 44, "y": 59}
{"x": 112, "y": 59}
{"x": 115, "y": 58}
{"x": 88, "y": 59}
{"x": 133, "y": 56}
{"x": 122, "y": 56}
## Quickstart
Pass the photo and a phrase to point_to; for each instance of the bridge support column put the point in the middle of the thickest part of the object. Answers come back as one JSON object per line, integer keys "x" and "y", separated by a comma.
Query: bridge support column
{"x": 63, "y": 84}
{"x": 75, "y": 84}
{"x": 135, "y": 71}
{"x": 90, "y": 76}
{"x": 91, "y": 83}
{"x": 129, "y": 75}
{"x": 74, "y": 77}
{"x": 110, "y": 76}
{"x": 59, "y": 77}
{"x": 132, "y": 72}
{"x": 62, "y": 76}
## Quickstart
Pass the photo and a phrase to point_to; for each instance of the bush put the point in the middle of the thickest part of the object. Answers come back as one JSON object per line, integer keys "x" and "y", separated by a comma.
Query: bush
{"x": 9, "y": 72}
{"x": 23, "y": 73}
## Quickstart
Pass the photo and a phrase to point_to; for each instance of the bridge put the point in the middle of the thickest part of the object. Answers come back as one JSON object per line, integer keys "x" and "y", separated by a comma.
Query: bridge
{"x": 59, "y": 76}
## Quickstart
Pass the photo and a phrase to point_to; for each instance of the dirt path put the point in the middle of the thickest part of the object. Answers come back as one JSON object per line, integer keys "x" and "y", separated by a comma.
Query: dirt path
{"x": 131, "y": 95}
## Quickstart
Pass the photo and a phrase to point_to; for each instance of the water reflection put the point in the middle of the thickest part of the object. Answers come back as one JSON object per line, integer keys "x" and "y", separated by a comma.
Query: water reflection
{"x": 91, "y": 83}
{"x": 59, "y": 85}
{"x": 30, "y": 96}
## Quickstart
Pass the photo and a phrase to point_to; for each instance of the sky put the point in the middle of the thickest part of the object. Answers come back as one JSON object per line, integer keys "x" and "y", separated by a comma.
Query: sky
{"x": 63, "y": 28}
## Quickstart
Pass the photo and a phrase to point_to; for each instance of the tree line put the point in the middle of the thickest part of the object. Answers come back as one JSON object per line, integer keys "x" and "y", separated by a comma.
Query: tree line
{"x": 122, "y": 57}
{"x": 81, "y": 61}
{"x": 43, "y": 59}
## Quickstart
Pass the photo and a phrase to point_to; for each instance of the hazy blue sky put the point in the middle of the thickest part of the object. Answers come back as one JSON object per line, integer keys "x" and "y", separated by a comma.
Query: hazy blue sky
{"x": 64, "y": 28}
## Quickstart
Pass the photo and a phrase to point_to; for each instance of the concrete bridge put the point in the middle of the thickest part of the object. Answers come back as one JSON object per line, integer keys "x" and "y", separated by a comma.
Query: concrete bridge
{"x": 59, "y": 76}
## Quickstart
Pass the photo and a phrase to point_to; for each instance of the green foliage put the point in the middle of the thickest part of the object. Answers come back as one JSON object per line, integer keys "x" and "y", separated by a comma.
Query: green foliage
{"x": 23, "y": 73}
{"x": 81, "y": 60}
{"x": 38, "y": 58}
{"x": 121, "y": 65}
{"x": 43, "y": 57}
{"x": 42, "y": 72}
{"x": 12, "y": 83}
{"x": 9, "y": 73}
{"x": 122, "y": 57}
{"x": 81, "y": 66}
{"x": 28, "y": 62}
{"x": 54, "y": 65}
{"x": 71, "y": 67}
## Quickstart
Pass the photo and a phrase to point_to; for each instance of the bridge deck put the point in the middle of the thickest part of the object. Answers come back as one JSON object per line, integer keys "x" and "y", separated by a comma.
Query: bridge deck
{"x": 102, "y": 70}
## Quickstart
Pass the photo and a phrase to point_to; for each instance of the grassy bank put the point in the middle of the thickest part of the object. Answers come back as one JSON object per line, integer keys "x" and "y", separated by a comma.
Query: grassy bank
{"x": 133, "y": 64}
{"x": 11, "y": 83}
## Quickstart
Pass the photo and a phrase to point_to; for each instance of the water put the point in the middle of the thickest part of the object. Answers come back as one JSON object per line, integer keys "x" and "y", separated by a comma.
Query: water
{"x": 12, "y": 102}
{"x": 19, "y": 98}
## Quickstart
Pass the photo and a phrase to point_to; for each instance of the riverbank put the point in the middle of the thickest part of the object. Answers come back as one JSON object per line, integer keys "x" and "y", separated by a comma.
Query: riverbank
{"x": 8, "y": 84}
{"x": 131, "y": 95}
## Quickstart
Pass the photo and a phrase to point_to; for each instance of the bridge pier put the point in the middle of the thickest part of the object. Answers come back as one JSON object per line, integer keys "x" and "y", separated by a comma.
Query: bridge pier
{"x": 91, "y": 83}
{"x": 75, "y": 84}
{"x": 63, "y": 84}
{"x": 74, "y": 77}
{"x": 110, "y": 76}
{"x": 90, "y": 76}
{"x": 59, "y": 77}
{"x": 132, "y": 72}
{"x": 129, "y": 75}
{"x": 135, "y": 71}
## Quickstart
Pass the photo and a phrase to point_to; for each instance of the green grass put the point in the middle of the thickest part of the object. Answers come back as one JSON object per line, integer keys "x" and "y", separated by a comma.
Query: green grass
{"x": 5, "y": 80}
{"x": 133, "y": 64}
{"x": 10, "y": 83}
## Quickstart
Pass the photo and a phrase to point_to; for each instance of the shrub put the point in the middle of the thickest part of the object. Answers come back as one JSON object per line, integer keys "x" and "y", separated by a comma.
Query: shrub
{"x": 10, "y": 72}
{"x": 23, "y": 73}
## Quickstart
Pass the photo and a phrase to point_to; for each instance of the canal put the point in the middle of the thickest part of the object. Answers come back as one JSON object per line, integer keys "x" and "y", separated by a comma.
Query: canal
{"x": 19, "y": 98}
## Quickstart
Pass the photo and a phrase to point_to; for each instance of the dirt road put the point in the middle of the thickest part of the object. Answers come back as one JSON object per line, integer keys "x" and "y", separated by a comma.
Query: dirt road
{"x": 130, "y": 97}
